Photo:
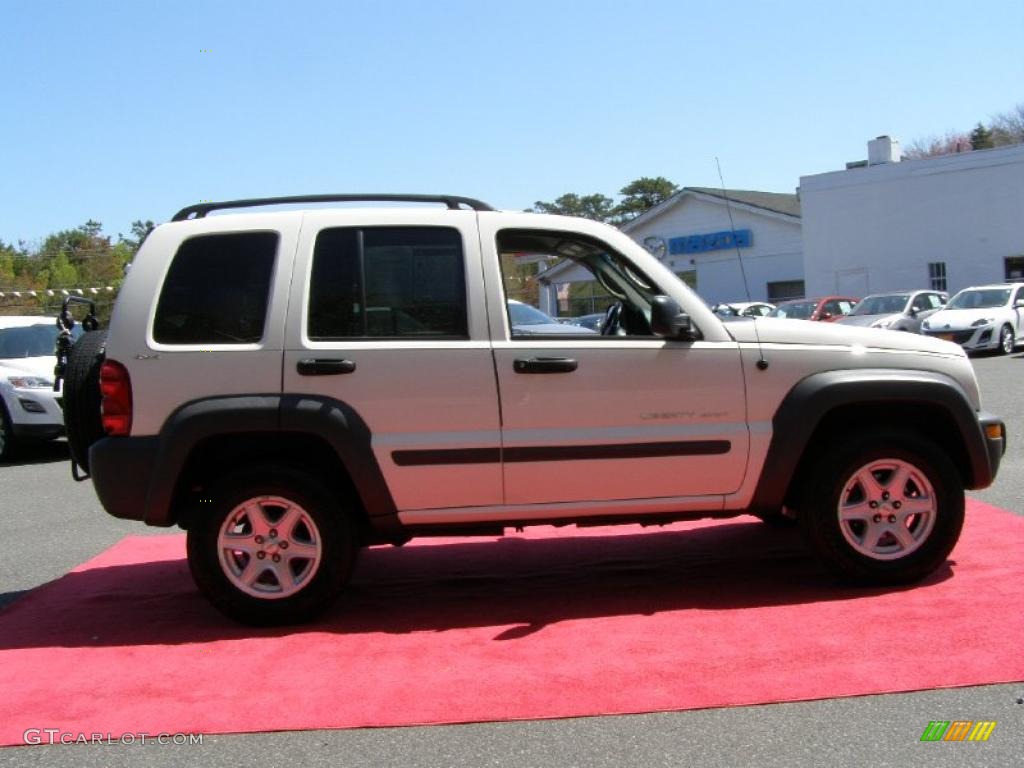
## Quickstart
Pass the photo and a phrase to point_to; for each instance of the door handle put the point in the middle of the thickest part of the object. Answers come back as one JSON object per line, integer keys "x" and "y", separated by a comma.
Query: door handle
{"x": 324, "y": 367}
{"x": 544, "y": 365}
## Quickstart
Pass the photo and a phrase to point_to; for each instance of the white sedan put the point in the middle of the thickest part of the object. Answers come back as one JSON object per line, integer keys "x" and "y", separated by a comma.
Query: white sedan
{"x": 29, "y": 408}
{"x": 987, "y": 317}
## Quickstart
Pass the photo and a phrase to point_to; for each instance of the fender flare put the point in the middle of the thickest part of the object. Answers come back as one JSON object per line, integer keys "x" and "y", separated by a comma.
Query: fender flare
{"x": 814, "y": 397}
{"x": 158, "y": 461}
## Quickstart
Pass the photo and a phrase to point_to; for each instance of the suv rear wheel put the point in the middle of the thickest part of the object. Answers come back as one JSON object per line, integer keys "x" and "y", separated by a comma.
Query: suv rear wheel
{"x": 884, "y": 509}
{"x": 270, "y": 546}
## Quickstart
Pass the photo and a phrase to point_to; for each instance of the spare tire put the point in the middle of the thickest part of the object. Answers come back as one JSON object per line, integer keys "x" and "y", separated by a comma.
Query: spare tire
{"x": 82, "y": 418}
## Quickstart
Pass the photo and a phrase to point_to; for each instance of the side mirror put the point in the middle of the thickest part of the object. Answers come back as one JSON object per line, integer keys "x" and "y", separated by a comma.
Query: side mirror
{"x": 1018, "y": 304}
{"x": 825, "y": 316}
{"x": 668, "y": 319}
{"x": 913, "y": 312}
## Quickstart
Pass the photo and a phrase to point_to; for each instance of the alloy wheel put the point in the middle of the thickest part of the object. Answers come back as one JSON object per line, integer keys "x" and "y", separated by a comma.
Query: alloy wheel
{"x": 269, "y": 547}
{"x": 887, "y": 509}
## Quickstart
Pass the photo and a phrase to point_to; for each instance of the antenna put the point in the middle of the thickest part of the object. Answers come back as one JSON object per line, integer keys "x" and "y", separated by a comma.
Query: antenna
{"x": 762, "y": 364}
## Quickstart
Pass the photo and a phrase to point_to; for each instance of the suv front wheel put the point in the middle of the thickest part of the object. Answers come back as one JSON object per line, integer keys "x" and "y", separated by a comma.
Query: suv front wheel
{"x": 270, "y": 546}
{"x": 887, "y": 508}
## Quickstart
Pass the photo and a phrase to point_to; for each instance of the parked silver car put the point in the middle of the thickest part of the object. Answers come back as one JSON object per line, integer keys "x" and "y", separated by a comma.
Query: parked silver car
{"x": 530, "y": 321}
{"x": 900, "y": 311}
{"x": 731, "y": 309}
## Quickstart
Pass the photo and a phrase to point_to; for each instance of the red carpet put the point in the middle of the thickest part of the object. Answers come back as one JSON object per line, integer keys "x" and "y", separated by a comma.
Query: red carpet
{"x": 553, "y": 623}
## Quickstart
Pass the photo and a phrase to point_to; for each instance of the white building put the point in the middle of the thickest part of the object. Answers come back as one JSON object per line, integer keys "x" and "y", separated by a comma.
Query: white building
{"x": 884, "y": 224}
{"x": 692, "y": 234}
{"x": 942, "y": 222}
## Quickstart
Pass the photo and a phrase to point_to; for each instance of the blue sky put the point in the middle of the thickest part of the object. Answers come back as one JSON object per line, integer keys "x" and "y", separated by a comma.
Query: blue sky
{"x": 118, "y": 111}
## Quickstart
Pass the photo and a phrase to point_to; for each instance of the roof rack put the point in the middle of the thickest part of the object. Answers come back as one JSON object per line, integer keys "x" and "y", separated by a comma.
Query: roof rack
{"x": 199, "y": 210}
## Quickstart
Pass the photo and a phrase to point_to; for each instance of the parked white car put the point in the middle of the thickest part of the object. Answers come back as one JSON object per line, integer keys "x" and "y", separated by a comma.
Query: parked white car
{"x": 987, "y": 317}
{"x": 29, "y": 408}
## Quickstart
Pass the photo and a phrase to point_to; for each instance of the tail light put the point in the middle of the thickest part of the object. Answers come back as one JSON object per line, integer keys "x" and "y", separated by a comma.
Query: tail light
{"x": 116, "y": 405}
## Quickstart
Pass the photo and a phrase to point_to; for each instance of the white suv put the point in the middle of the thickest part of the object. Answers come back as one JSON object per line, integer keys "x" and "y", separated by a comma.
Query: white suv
{"x": 289, "y": 386}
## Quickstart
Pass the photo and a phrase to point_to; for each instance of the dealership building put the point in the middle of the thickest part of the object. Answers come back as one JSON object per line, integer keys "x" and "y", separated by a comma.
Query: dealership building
{"x": 889, "y": 224}
{"x": 700, "y": 234}
{"x": 882, "y": 224}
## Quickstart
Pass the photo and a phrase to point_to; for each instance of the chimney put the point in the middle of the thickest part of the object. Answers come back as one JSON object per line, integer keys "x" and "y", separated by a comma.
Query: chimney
{"x": 884, "y": 150}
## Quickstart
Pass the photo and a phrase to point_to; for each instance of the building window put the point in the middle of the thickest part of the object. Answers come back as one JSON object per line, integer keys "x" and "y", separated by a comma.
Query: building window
{"x": 937, "y": 275}
{"x": 784, "y": 290}
{"x": 1014, "y": 269}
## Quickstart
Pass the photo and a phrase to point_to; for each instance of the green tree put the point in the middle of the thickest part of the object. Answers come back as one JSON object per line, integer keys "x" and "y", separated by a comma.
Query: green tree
{"x": 95, "y": 260}
{"x": 91, "y": 229}
{"x": 140, "y": 231}
{"x": 637, "y": 196}
{"x": 981, "y": 137}
{"x": 7, "y": 257}
{"x": 643, "y": 194}
{"x": 82, "y": 257}
{"x": 597, "y": 206}
{"x": 18, "y": 268}
{"x": 61, "y": 273}
{"x": 80, "y": 245}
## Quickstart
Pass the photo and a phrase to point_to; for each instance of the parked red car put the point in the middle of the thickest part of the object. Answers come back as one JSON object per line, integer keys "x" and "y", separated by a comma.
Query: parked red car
{"x": 827, "y": 308}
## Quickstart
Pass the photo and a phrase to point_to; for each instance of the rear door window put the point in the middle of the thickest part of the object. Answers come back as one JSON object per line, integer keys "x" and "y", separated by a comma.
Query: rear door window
{"x": 387, "y": 283}
{"x": 217, "y": 290}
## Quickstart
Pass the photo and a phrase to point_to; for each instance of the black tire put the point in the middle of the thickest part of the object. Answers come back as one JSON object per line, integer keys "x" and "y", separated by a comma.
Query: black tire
{"x": 82, "y": 419}
{"x": 1006, "y": 340}
{"x": 8, "y": 442}
{"x": 840, "y": 546}
{"x": 331, "y": 527}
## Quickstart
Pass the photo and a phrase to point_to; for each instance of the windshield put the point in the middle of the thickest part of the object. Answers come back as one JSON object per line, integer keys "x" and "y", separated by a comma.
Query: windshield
{"x": 800, "y": 310}
{"x": 982, "y": 298}
{"x": 29, "y": 341}
{"x": 888, "y": 304}
{"x": 524, "y": 314}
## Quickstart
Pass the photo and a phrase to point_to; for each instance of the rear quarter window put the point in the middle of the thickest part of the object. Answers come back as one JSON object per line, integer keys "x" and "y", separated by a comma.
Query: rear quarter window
{"x": 217, "y": 290}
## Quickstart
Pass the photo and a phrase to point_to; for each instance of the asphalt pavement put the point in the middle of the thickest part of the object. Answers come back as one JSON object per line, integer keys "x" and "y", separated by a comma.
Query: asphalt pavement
{"x": 54, "y": 524}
